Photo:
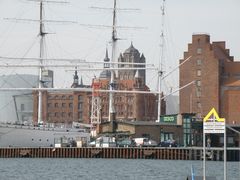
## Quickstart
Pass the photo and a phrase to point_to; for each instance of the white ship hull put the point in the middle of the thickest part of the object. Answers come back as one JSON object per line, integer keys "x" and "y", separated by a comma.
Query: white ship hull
{"x": 28, "y": 136}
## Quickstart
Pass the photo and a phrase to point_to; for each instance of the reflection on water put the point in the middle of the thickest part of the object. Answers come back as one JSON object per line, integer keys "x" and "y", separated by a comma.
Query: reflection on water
{"x": 110, "y": 169}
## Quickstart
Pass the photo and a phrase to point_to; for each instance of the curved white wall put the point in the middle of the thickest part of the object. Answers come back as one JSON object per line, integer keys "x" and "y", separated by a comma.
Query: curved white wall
{"x": 7, "y": 106}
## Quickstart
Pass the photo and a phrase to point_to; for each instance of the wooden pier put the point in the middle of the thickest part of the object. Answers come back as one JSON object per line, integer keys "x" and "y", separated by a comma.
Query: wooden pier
{"x": 119, "y": 153}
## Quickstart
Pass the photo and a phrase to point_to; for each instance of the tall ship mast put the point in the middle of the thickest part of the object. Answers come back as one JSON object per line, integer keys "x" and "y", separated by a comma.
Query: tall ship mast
{"x": 160, "y": 71}
{"x": 112, "y": 112}
{"x": 40, "y": 83}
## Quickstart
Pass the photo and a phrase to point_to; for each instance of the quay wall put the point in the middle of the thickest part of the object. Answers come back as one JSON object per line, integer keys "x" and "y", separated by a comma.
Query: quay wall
{"x": 123, "y": 153}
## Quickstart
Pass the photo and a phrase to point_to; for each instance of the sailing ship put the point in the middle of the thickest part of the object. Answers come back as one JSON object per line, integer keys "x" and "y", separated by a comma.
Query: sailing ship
{"x": 39, "y": 133}
{"x": 25, "y": 133}
{"x": 73, "y": 132}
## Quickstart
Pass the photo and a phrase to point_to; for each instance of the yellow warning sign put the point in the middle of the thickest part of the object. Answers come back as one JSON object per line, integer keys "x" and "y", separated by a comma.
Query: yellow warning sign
{"x": 213, "y": 116}
{"x": 212, "y": 123}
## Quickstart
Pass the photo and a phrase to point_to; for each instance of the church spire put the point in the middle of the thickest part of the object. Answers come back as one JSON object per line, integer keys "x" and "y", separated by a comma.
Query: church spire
{"x": 106, "y": 59}
{"x": 75, "y": 79}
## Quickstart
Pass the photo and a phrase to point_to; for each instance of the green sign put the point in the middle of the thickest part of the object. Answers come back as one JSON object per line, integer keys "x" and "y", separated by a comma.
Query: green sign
{"x": 169, "y": 119}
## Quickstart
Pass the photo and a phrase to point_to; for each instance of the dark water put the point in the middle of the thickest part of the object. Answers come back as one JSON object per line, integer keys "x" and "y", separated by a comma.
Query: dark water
{"x": 109, "y": 169}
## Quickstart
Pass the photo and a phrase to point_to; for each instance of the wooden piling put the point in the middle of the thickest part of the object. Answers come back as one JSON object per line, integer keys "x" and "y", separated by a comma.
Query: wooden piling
{"x": 115, "y": 152}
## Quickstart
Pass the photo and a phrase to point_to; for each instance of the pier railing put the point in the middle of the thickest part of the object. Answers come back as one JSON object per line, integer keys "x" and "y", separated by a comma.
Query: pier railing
{"x": 192, "y": 153}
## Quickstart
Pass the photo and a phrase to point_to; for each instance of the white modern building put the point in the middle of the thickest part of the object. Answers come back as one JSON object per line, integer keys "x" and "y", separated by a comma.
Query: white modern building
{"x": 17, "y": 106}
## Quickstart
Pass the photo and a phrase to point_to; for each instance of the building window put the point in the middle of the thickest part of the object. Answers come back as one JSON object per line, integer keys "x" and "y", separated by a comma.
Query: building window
{"x": 130, "y": 99}
{"x": 199, "y": 50}
{"x": 80, "y": 106}
{"x": 80, "y": 98}
{"x": 199, "y": 61}
{"x": 49, "y": 105}
{"x": 198, "y": 83}
{"x": 199, "y": 72}
{"x": 198, "y": 92}
{"x": 80, "y": 115}
{"x": 70, "y": 105}
{"x": 166, "y": 136}
{"x": 70, "y": 97}
{"x": 198, "y": 104}
{"x": 187, "y": 131}
{"x": 64, "y": 105}
{"x": 56, "y": 105}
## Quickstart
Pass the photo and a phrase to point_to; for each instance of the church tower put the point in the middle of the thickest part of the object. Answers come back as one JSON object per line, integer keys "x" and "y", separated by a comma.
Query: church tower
{"x": 131, "y": 55}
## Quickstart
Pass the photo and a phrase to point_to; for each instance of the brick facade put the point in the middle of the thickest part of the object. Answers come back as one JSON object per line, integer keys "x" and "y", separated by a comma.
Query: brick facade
{"x": 217, "y": 79}
{"x": 131, "y": 106}
{"x": 59, "y": 107}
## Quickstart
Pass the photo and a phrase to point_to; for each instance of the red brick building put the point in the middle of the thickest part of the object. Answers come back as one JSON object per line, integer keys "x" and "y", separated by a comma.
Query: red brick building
{"x": 63, "y": 107}
{"x": 66, "y": 107}
{"x": 217, "y": 79}
{"x": 131, "y": 106}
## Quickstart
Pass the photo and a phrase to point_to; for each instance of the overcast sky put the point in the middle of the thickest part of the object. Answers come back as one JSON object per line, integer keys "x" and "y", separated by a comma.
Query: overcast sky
{"x": 219, "y": 18}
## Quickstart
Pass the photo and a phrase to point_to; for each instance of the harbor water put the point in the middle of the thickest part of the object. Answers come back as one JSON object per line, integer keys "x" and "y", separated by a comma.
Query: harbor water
{"x": 110, "y": 169}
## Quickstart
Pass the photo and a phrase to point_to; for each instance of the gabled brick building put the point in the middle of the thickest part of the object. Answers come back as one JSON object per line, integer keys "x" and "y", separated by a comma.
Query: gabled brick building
{"x": 217, "y": 78}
